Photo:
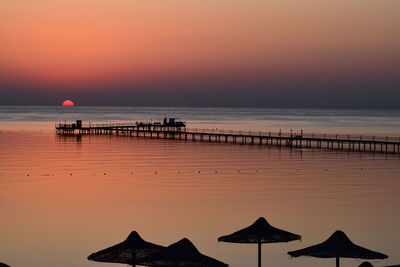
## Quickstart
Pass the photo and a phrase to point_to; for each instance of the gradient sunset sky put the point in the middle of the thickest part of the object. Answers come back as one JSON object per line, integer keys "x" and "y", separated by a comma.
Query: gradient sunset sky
{"x": 269, "y": 53}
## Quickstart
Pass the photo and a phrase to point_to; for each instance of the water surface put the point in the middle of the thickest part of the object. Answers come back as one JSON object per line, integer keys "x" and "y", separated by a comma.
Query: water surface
{"x": 62, "y": 198}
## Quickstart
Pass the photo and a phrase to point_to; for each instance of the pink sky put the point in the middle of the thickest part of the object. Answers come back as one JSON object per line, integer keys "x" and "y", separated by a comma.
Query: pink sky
{"x": 76, "y": 45}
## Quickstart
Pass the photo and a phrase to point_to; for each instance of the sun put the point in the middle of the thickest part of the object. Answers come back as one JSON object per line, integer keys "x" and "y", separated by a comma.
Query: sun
{"x": 68, "y": 103}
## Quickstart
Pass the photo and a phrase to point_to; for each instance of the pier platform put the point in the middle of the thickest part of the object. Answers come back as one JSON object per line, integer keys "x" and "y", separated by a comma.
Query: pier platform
{"x": 177, "y": 130}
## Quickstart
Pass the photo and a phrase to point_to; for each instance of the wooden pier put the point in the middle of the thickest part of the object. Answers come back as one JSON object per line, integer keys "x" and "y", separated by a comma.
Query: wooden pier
{"x": 178, "y": 131}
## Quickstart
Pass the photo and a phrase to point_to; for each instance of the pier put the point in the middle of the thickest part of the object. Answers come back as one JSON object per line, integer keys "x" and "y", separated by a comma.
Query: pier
{"x": 177, "y": 130}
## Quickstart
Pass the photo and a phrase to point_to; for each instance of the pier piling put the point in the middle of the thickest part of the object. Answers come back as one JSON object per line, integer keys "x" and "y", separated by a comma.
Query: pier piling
{"x": 178, "y": 130}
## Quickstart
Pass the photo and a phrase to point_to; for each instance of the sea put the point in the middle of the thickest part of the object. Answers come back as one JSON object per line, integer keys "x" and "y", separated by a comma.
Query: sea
{"x": 63, "y": 197}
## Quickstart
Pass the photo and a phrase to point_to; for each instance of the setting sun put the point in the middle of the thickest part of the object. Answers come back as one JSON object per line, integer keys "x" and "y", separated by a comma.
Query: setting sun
{"x": 68, "y": 103}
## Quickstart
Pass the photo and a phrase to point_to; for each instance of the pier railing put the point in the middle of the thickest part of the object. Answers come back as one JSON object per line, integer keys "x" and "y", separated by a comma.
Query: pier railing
{"x": 276, "y": 134}
{"x": 300, "y": 134}
{"x": 97, "y": 125}
{"x": 298, "y": 139}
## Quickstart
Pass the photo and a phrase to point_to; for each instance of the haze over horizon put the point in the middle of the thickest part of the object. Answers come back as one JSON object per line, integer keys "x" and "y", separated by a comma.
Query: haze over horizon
{"x": 175, "y": 53}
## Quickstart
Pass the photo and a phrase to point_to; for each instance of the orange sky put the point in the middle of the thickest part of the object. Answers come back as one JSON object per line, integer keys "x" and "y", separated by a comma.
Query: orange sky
{"x": 90, "y": 41}
{"x": 298, "y": 51}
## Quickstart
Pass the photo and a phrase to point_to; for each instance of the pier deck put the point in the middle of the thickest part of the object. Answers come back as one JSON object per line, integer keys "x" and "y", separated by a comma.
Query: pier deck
{"x": 372, "y": 144}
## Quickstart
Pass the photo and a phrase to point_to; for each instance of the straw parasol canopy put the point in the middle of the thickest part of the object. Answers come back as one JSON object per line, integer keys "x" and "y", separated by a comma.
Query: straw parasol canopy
{"x": 366, "y": 264}
{"x": 183, "y": 254}
{"x": 258, "y": 233}
{"x": 3, "y": 265}
{"x": 338, "y": 246}
{"x": 128, "y": 251}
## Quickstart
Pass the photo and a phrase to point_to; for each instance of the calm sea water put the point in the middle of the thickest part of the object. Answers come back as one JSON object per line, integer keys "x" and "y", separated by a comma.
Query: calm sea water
{"x": 62, "y": 198}
{"x": 379, "y": 122}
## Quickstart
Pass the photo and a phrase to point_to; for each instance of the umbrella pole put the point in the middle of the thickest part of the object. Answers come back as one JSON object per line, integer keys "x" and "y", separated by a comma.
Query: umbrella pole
{"x": 133, "y": 258}
{"x": 259, "y": 253}
{"x": 337, "y": 261}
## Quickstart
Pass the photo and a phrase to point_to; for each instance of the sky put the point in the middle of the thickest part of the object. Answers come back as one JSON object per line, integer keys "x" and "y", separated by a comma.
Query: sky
{"x": 261, "y": 53}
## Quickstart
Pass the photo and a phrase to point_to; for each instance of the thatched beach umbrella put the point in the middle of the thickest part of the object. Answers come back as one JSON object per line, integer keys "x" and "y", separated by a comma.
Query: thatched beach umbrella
{"x": 366, "y": 264}
{"x": 183, "y": 254}
{"x": 258, "y": 233}
{"x": 128, "y": 251}
{"x": 338, "y": 246}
